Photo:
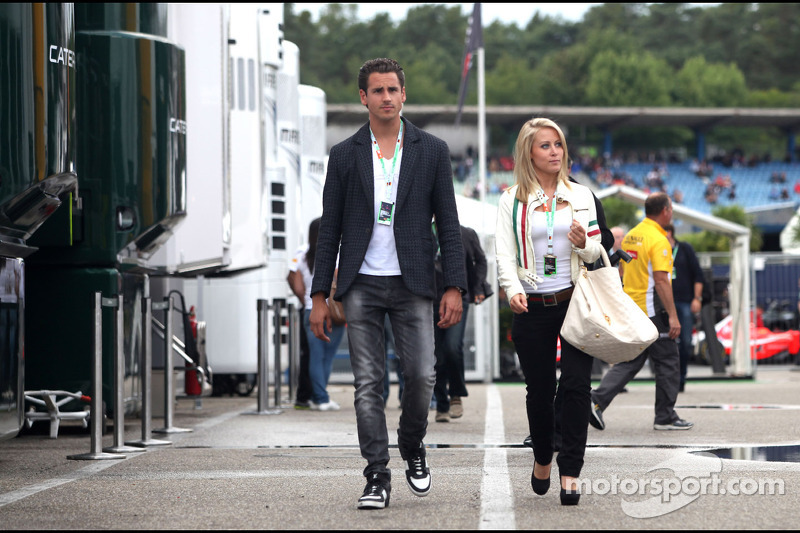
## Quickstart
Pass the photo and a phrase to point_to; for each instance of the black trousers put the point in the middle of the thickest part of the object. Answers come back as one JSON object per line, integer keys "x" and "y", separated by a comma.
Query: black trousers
{"x": 535, "y": 335}
{"x": 303, "y": 381}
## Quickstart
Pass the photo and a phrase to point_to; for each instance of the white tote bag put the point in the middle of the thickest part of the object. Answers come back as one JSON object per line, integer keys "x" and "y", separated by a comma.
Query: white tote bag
{"x": 603, "y": 321}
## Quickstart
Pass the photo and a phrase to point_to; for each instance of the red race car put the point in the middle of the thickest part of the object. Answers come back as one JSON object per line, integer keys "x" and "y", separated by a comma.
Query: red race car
{"x": 764, "y": 343}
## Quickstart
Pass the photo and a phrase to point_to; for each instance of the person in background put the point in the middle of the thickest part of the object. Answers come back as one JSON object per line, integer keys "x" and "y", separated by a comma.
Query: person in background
{"x": 451, "y": 383}
{"x": 646, "y": 279}
{"x": 714, "y": 348}
{"x": 383, "y": 186}
{"x": 320, "y": 353}
{"x": 298, "y": 286}
{"x": 687, "y": 291}
{"x": 546, "y": 228}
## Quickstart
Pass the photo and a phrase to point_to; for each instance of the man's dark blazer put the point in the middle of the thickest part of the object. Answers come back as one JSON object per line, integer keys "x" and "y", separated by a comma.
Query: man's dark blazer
{"x": 424, "y": 188}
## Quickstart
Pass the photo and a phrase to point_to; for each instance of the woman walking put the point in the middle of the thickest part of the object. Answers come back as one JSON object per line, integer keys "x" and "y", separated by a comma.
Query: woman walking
{"x": 546, "y": 227}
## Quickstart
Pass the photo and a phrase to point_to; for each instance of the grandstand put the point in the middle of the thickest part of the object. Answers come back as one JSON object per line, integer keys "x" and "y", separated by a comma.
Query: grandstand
{"x": 754, "y": 187}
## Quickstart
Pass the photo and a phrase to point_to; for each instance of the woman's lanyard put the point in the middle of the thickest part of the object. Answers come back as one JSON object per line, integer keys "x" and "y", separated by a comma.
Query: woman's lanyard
{"x": 550, "y": 257}
{"x": 387, "y": 206}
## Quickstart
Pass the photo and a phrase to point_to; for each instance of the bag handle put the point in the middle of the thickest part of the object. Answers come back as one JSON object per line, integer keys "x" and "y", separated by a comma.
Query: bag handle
{"x": 604, "y": 255}
{"x": 585, "y": 272}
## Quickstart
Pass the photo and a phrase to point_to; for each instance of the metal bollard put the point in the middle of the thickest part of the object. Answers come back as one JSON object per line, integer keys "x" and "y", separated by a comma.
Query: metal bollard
{"x": 263, "y": 363}
{"x": 294, "y": 351}
{"x": 146, "y": 372}
{"x": 169, "y": 393}
{"x": 277, "y": 320}
{"x": 97, "y": 391}
{"x": 119, "y": 383}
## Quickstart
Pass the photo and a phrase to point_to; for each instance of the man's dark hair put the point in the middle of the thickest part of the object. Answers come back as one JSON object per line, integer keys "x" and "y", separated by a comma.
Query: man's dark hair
{"x": 381, "y": 65}
{"x": 655, "y": 203}
{"x": 669, "y": 228}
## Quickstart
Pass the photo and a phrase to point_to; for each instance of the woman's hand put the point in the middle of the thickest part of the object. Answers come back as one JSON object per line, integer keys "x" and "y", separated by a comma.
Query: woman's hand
{"x": 519, "y": 303}
{"x": 577, "y": 235}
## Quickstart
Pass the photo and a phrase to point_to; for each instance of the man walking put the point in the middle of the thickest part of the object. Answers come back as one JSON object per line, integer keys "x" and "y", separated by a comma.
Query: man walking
{"x": 451, "y": 383}
{"x": 646, "y": 280}
{"x": 383, "y": 186}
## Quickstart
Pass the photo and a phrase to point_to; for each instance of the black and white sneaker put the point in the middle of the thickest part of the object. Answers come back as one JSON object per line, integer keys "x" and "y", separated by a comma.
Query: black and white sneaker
{"x": 679, "y": 424}
{"x": 596, "y": 417}
{"x": 376, "y": 493}
{"x": 418, "y": 474}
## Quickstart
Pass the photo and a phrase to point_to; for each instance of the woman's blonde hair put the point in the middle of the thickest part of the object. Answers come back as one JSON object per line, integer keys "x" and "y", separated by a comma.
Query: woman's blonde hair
{"x": 524, "y": 173}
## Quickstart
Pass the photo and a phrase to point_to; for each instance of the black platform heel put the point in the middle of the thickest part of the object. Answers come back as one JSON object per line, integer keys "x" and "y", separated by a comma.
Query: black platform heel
{"x": 540, "y": 486}
{"x": 570, "y": 497}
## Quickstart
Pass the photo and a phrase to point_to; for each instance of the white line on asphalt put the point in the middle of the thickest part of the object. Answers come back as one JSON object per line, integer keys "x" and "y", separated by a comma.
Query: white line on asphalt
{"x": 497, "y": 502}
{"x": 91, "y": 469}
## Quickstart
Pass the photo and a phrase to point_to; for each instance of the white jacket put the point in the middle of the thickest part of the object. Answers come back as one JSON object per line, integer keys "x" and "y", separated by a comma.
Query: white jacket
{"x": 509, "y": 266}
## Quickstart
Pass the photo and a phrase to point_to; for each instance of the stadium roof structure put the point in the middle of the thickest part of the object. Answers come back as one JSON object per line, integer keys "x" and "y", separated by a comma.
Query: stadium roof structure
{"x": 697, "y": 118}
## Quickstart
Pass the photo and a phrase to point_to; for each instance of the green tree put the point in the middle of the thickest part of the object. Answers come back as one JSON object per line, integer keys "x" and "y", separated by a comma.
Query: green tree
{"x": 774, "y": 98}
{"x": 512, "y": 83}
{"x": 562, "y": 75}
{"x": 712, "y": 241}
{"x": 700, "y": 84}
{"x": 628, "y": 79}
{"x": 425, "y": 77}
{"x": 620, "y": 212}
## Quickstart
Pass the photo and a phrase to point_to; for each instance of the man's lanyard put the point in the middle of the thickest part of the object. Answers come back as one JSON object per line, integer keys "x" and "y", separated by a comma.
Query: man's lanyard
{"x": 674, "y": 254}
{"x": 388, "y": 177}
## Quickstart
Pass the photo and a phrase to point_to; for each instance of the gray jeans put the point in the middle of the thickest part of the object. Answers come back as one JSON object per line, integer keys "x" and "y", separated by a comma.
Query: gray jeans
{"x": 665, "y": 363}
{"x": 366, "y": 303}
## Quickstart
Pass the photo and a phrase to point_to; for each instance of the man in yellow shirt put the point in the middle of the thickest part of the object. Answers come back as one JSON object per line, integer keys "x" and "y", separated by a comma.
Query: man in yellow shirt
{"x": 647, "y": 280}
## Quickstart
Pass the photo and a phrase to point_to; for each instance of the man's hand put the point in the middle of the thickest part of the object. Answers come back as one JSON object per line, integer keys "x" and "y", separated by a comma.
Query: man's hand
{"x": 674, "y": 326}
{"x": 450, "y": 308}
{"x": 320, "y": 316}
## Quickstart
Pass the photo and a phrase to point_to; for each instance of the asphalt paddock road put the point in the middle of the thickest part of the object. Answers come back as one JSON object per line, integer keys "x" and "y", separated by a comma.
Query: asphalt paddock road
{"x": 303, "y": 469}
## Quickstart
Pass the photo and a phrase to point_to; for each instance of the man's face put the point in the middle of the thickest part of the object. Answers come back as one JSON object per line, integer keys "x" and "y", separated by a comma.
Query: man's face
{"x": 384, "y": 97}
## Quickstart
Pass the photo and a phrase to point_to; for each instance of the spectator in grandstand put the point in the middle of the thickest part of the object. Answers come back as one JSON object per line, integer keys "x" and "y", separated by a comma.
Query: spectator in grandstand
{"x": 687, "y": 291}
{"x": 711, "y": 194}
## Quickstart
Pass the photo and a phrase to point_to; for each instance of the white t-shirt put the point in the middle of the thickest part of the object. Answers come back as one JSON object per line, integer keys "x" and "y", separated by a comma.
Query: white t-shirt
{"x": 562, "y": 249}
{"x": 299, "y": 264}
{"x": 381, "y": 258}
